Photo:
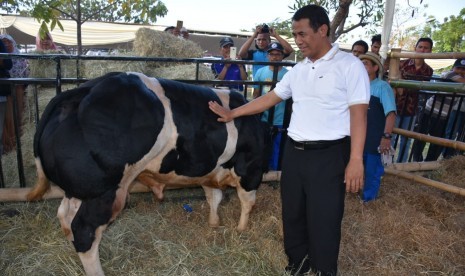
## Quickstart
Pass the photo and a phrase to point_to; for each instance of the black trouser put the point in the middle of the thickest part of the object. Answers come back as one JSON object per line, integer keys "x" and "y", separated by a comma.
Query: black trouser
{"x": 312, "y": 193}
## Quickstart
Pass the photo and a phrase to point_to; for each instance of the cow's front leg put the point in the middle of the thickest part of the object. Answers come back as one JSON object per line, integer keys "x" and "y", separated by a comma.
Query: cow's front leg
{"x": 247, "y": 202}
{"x": 70, "y": 215}
{"x": 90, "y": 259}
{"x": 214, "y": 197}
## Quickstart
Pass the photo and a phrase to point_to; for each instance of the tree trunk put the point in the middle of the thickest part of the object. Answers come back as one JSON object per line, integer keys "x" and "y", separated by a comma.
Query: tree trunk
{"x": 339, "y": 18}
{"x": 79, "y": 25}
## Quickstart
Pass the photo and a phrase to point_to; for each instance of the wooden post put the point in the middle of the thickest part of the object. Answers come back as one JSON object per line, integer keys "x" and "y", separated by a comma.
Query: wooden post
{"x": 394, "y": 65}
{"x": 431, "y": 139}
{"x": 19, "y": 194}
{"x": 415, "y": 166}
{"x": 426, "y": 181}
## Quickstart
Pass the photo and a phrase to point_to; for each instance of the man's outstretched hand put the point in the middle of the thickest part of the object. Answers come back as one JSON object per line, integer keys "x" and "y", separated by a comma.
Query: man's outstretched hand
{"x": 224, "y": 113}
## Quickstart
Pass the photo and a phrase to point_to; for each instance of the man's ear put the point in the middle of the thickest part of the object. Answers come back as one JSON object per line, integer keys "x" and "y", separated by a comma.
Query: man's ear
{"x": 323, "y": 29}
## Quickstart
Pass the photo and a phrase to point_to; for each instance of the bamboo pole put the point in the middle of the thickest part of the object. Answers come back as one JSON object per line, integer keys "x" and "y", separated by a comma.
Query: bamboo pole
{"x": 394, "y": 65}
{"x": 415, "y": 166}
{"x": 431, "y": 139}
{"x": 19, "y": 194}
{"x": 426, "y": 181}
{"x": 395, "y": 53}
{"x": 426, "y": 85}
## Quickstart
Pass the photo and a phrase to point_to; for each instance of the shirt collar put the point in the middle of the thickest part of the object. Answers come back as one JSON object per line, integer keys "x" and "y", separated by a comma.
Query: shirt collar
{"x": 328, "y": 56}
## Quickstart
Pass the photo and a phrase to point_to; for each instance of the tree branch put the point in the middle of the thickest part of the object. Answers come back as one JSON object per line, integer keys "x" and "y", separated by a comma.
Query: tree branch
{"x": 339, "y": 18}
{"x": 98, "y": 11}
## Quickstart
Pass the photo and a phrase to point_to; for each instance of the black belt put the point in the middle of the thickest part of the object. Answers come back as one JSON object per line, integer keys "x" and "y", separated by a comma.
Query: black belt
{"x": 321, "y": 144}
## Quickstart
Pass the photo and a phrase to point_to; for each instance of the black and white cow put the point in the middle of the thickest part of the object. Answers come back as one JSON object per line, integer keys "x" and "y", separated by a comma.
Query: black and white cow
{"x": 95, "y": 141}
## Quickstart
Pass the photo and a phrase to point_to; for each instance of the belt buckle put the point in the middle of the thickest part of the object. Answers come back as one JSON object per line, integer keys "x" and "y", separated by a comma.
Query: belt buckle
{"x": 299, "y": 146}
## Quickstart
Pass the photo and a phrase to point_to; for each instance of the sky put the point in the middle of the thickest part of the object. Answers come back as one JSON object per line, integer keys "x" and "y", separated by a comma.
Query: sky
{"x": 236, "y": 15}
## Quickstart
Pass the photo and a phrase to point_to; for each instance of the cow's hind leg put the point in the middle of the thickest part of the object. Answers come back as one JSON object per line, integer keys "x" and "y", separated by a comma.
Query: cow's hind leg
{"x": 42, "y": 184}
{"x": 214, "y": 197}
{"x": 247, "y": 202}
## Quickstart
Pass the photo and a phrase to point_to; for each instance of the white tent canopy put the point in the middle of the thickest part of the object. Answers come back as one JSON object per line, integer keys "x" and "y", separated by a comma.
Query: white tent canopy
{"x": 24, "y": 29}
{"x": 93, "y": 33}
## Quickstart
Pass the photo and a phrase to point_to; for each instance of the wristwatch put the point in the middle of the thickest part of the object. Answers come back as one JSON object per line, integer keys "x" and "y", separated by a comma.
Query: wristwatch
{"x": 387, "y": 135}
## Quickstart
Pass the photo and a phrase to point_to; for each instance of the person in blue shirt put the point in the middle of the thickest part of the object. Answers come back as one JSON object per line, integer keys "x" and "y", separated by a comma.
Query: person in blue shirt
{"x": 262, "y": 38}
{"x": 229, "y": 71}
{"x": 275, "y": 54}
{"x": 381, "y": 118}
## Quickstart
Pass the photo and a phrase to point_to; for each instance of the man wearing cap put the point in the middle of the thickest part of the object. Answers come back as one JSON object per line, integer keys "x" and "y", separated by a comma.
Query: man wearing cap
{"x": 262, "y": 39}
{"x": 457, "y": 114}
{"x": 229, "y": 71}
{"x": 381, "y": 118}
{"x": 275, "y": 54}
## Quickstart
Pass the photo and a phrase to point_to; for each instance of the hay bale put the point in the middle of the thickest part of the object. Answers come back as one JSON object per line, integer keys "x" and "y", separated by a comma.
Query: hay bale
{"x": 46, "y": 68}
{"x": 181, "y": 72}
{"x": 97, "y": 68}
{"x": 151, "y": 43}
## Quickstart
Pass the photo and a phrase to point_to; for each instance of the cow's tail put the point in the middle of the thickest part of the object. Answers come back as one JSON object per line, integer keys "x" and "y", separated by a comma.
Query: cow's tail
{"x": 42, "y": 184}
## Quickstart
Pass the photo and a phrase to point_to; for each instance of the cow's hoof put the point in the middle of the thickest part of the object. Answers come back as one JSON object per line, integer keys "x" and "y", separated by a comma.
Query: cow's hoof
{"x": 241, "y": 228}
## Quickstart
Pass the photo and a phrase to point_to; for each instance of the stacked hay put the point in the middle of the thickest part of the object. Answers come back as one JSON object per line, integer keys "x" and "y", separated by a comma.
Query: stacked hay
{"x": 151, "y": 43}
{"x": 97, "y": 68}
{"x": 46, "y": 67}
{"x": 148, "y": 43}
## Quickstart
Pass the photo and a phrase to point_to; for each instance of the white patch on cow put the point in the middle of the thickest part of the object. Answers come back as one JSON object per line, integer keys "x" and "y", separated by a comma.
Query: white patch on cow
{"x": 66, "y": 213}
{"x": 165, "y": 142}
{"x": 247, "y": 202}
{"x": 90, "y": 259}
{"x": 214, "y": 197}
{"x": 231, "y": 142}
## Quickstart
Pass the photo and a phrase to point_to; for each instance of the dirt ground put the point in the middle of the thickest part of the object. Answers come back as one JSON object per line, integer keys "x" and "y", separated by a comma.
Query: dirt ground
{"x": 412, "y": 229}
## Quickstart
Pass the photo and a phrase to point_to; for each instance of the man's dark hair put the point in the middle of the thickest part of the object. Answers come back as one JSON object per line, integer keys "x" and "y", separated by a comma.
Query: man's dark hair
{"x": 425, "y": 39}
{"x": 317, "y": 16}
{"x": 169, "y": 28}
{"x": 361, "y": 43}
{"x": 376, "y": 38}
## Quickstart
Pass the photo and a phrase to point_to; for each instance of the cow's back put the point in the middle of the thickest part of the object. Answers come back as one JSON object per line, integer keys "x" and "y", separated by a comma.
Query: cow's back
{"x": 88, "y": 135}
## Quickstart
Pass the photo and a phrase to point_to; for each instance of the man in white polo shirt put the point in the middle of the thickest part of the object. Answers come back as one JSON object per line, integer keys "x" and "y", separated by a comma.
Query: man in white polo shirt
{"x": 323, "y": 157}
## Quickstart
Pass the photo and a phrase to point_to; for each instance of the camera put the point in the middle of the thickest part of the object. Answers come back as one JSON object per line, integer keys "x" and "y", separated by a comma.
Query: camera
{"x": 265, "y": 28}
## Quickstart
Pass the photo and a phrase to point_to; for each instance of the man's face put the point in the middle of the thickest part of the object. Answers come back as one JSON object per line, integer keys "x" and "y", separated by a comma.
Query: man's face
{"x": 370, "y": 67}
{"x": 460, "y": 70}
{"x": 358, "y": 50}
{"x": 226, "y": 50}
{"x": 423, "y": 47}
{"x": 275, "y": 55}
{"x": 375, "y": 47}
{"x": 263, "y": 40}
{"x": 8, "y": 45}
{"x": 310, "y": 43}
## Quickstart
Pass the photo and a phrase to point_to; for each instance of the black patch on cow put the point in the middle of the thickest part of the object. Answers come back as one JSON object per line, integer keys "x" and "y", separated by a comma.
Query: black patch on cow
{"x": 168, "y": 163}
{"x": 87, "y": 135}
{"x": 202, "y": 139}
{"x": 91, "y": 214}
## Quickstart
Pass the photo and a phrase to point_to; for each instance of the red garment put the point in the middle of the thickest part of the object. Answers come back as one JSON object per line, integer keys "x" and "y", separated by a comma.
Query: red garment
{"x": 409, "y": 97}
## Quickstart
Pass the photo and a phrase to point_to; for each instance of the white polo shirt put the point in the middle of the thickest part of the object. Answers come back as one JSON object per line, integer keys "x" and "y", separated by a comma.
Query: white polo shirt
{"x": 322, "y": 92}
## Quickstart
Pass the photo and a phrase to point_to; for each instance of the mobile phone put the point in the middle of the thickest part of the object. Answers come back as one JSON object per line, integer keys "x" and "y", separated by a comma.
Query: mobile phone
{"x": 179, "y": 24}
{"x": 232, "y": 53}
